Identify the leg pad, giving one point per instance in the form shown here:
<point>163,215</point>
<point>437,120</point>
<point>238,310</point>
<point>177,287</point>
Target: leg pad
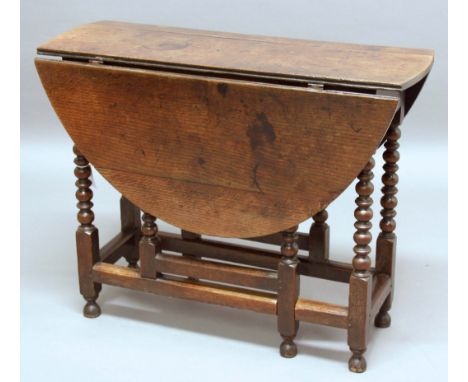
<point>288,348</point>
<point>383,320</point>
<point>357,363</point>
<point>91,309</point>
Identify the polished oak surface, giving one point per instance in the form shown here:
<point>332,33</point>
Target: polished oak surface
<point>216,156</point>
<point>272,56</point>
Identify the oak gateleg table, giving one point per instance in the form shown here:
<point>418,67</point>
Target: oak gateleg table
<point>235,136</point>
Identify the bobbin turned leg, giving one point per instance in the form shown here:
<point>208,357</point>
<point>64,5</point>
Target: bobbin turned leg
<point>386,241</point>
<point>149,247</point>
<point>87,237</point>
<point>288,292</point>
<point>130,221</point>
<point>319,238</point>
<point>360,284</point>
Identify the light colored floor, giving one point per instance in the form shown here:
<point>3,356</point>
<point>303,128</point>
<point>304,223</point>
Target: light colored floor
<point>144,337</point>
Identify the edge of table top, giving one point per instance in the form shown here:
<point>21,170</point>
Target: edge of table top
<point>366,65</point>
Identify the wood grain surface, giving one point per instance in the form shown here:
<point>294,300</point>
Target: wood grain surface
<point>216,156</point>
<point>333,62</point>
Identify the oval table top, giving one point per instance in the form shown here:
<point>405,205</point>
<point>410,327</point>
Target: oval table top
<point>216,156</point>
<point>226,134</point>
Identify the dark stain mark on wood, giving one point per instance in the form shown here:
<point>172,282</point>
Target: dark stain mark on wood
<point>222,89</point>
<point>141,152</point>
<point>261,131</point>
<point>354,128</point>
<point>254,177</point>
<point>201,161</point>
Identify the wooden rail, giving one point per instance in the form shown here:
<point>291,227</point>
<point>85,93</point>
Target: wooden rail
<point>275,239</point>
<point>263,258</point>
<point>222,251</point>
<point>264,302</point>
<point>116,275</point>
<point>215,271</point>
<point>119,246</point>
<point>322,313</point>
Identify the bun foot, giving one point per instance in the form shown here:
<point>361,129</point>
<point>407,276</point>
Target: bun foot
<point>91,309</point>
<point>288,349</point>
<point>357,363</point>
<point>383,320</point>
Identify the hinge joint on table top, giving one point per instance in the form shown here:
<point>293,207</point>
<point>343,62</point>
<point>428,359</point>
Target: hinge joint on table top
<point>315,86</point>
<point>96,60</point>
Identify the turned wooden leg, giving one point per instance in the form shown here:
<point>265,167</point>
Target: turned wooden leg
<point>386,241</point>
<point>130,221</point>
<point>288,292</point>
<point>319,238</point>
<point>360,284</point>
<point>149,247</point>
<point>87,237</point>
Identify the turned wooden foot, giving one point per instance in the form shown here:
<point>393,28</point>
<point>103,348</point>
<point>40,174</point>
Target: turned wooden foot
<point>288,348</point>
<point>91,309</point>
<point>383,320</point>
<point>357,363</point>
